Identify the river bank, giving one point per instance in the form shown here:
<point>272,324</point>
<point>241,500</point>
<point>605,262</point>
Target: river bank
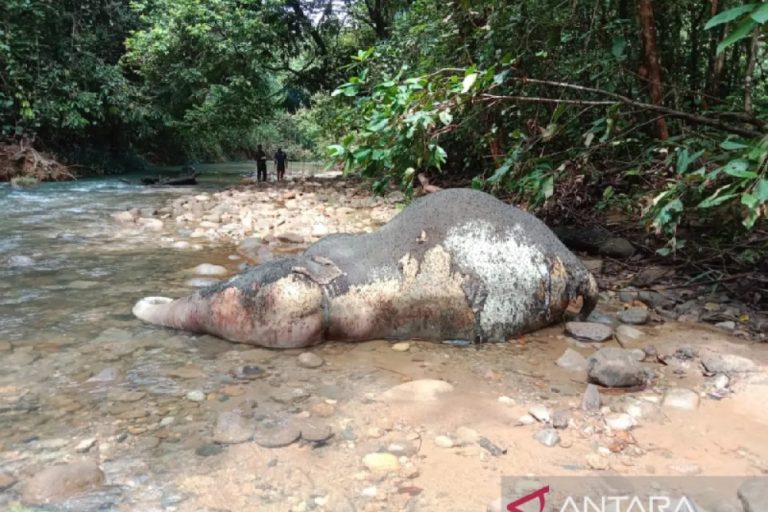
<point>168,421</point>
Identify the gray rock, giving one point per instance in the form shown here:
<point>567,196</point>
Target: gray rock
<point>547,437</point>
<point>315,432</point>
<point>290,238</point>
<point>754,495</point>
<point>617,248</point>
<point>634,316</point>
<point>277,437</point>
<point>59,483</point>
<point>728,364</point>
<point>209,450</point>
<point>590,402</point>
<point>601,318</point>
<point>196,396</point>
<point>232,428</point>
<point>310,360</point>
<point>572,360</point>
<point>541,412</point>
<point>615,367</point>
<point>681,399</point>
<point>208,269</point>
<point>619,421</point>
<point>728,325</point>
<point>560,419</point>
<point>627,334</point>
<point>588,331</point>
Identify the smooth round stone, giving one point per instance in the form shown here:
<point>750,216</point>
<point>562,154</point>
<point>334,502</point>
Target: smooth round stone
<point>589,331</point>
<point>315,432</point>
<point>444,442</point>
<point>467,435</point>
<point>681,399</point>
<point>547,437</point>
<point>572,360</point>
<point>209,449</point>
<point>277,437</point>
<point>381,462</point>
<point>232,428</point>
<point>541,413</point>
<point>619,421</point>
<point>196,396</point>
<point>208,269</point>
<point>634,316</point>
<point>401,346</point>
<point>628,334</point>
<point>58,483</point>
<point>310,360</point>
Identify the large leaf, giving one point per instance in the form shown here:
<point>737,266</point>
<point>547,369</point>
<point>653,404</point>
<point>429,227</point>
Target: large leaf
<point>730,145</point>
<point>761,14</point>
<point>729,15</point>
<point>739,169</point>
<point>468,82</point>
<point>742,31</point>
<point>761,191</point>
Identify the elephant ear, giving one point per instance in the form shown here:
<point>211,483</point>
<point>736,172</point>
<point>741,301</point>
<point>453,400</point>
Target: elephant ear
<point>319,269</point>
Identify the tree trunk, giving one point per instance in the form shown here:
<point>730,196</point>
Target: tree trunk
<point>716,62</point>
<point>751,57</point>
<point>652,62</point>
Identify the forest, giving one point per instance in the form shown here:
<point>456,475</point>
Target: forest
<point>651,111</point>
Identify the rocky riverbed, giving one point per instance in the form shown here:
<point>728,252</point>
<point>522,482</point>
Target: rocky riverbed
<point>147,419</point>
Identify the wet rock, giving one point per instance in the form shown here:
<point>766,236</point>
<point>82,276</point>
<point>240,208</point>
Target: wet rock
<point>616,248</point>
<point>728,325</point>
<point>547,437</point>
<point>289,395</point>
<point>208,269</point>
<point>572,360</point>
<point>196,396</point>
<point>278,436</point>
<point>232,428</point>
<point>444,442</point>
<point>541,412</point>
<point>601,318</point>
<point>619,421</point>
<point>6,481</point>
<point>560,419</point>
<point>728,364</point>
<point>129,396</point>
<point>401,346</point>
<point>58,483</point>
<point>310,360</point>
<point>589,331</point>
<point>615,367</point>
<point>209,450</point>
<point>381,462</point>
<point>200,282</point>
<point>424,390</point>
<point>124,217</point>
<point>753,495</point>
<point>634,316</point>
<point>590,401</point>
<point>105,375</point>
<point>681,399</point>
<point>249,372</point>
<point>150,224</point>
<point>291,238</point>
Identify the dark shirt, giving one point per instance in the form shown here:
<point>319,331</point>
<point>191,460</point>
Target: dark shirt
<point>280,159</point>
<point>261,159</point>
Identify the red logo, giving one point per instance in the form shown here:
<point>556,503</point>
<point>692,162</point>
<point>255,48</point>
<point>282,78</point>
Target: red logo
<point>512,507</point>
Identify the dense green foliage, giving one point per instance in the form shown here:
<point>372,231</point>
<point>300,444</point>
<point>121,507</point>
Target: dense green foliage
<point>655,107</point>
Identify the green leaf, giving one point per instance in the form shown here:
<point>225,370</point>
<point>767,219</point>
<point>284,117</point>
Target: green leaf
<point>377,126</point>
<point>618,47</point>
<point>738,34</point>
<point>500,173</point>
<point>335,150</point>
<point>468,82</point>
<point>739,168</point>
<point>548,187</point>
<point>445,117</point>
<point>477,183</point>
<point>760,14</point>
<point>761,190</point>
<point>730,145</point>
<point>715,200</point>
<point>749,200</point>
<point>729,15</point>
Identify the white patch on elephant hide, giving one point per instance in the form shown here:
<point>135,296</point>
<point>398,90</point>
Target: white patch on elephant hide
<point>512,271</point>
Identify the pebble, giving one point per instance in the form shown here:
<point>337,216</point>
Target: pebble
<point>572,360</point>
<point>526,419</point>
<point>401,346</point>
<point>597,461</point>
<point>277,437</point>
<point>315,432</point>
<point>310,360</point>
<point>589,331</point>
<point>208,269</point>
<point>444,442</point>
<point>424,390</point>
<point>232,428</point>
<point>561,418</point>
<point>590,401</point>
<point>196,396</point>
<point>105,375</point>
<point>85,445</point>
<point>322,410</point>
<point>728,364</point>
<point>209,449</point>
<point>685,469</point>
<point>721,381</point>
<point>467,435</point>
<point>541,412</point>
<point>381,462</point>
<point>728,325</point>
<point>681,399</point>
<point>55,484</point>
<point>168,420</point>
<point>547,437</point>
<point>506,400</point>
<point>634,316</point>
<point>619,421</point>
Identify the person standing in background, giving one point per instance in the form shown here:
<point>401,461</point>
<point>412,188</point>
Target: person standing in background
<point>261,163</point>
<point>280,162</point>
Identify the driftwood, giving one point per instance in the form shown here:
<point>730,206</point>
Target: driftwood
<point>190,179</point>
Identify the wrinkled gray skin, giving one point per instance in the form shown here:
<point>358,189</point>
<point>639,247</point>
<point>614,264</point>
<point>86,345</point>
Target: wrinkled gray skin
<point>454,265</point>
